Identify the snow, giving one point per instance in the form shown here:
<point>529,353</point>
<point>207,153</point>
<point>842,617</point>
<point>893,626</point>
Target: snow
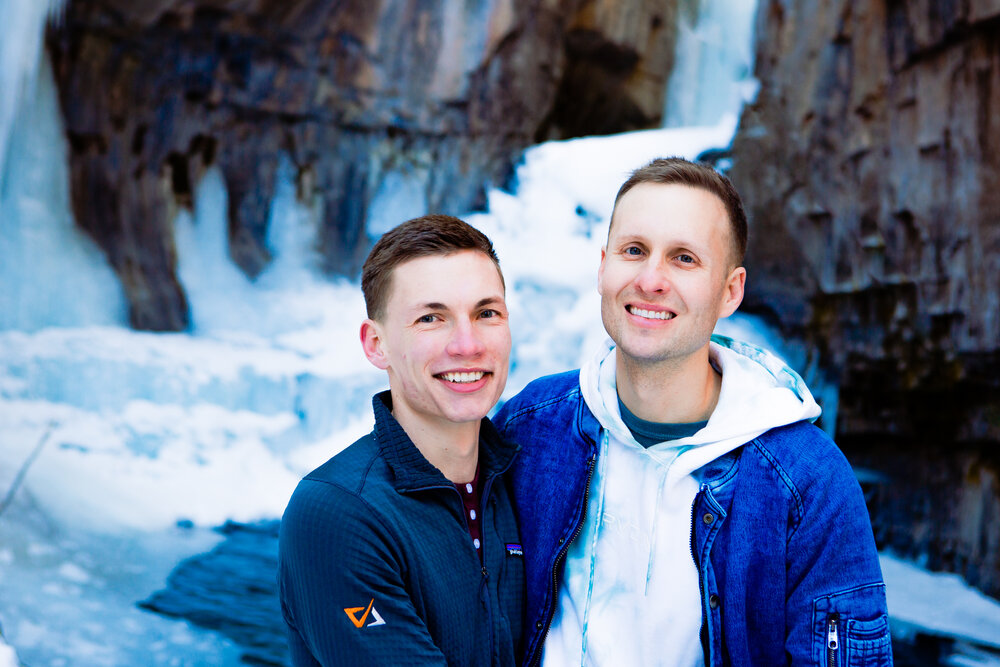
<point>8,657</point>
<point>69,594</point>
<point>939,604</point>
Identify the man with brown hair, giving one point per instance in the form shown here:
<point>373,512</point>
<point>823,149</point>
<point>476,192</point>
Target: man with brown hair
<point>403,549</point>
<point>677,506</point>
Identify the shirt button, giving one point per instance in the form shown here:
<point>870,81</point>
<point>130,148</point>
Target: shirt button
<point>468,488</point>
<point>476,542</point>
<point>708,518</point>
<point>538,625</point>
<point>472,514</point>
<point>713,601</point>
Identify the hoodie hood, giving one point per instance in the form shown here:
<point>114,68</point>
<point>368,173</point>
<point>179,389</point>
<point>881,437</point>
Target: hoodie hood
<point>759,392</point>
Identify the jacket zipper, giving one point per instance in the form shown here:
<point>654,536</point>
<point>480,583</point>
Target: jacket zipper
<point>694,554</point>
<point>697,564</point>
<point>832,639</point>
<point>537,659</point>
<point>484,499</point>
<point>482,561</point>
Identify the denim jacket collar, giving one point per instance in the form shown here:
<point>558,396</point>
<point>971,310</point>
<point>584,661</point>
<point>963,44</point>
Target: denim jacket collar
<point>587,424</point>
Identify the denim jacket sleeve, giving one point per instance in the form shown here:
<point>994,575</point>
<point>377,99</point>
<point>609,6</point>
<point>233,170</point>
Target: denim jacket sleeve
<point>836,606</point>
<point>338,577</point>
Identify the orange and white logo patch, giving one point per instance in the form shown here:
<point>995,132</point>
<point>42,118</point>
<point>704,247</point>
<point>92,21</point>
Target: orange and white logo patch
<point>352,613</point>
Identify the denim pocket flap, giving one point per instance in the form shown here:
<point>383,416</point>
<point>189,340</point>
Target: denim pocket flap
<point>868,630</point>
<point>868,643</point>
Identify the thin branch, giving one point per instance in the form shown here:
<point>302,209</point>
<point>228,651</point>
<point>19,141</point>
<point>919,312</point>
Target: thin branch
<point>19,477</point>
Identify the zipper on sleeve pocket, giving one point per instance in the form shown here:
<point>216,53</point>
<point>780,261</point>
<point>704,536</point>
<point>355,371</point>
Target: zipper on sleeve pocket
<point>832,639</point>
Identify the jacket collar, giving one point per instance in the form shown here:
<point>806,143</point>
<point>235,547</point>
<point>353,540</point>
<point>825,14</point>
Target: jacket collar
<point>587,423</point>
<point>722,470</point>
<point>412,470</point>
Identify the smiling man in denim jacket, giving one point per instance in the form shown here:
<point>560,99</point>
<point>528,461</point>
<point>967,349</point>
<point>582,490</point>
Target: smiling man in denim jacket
<point>676,504</point>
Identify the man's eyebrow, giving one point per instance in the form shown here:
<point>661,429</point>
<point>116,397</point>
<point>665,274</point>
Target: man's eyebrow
<point>489,301</point>
<point>433,305</point>
<point>630,238</point>
<point>436,305</point>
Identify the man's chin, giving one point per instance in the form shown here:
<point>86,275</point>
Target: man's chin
<point>466,418</point>
<point>644,355</point>
<point>471,411</point>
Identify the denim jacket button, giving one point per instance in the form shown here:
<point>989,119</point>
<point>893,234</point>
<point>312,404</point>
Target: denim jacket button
<point>538,625</point>
<point>713,601</point>
<point>708,517</point>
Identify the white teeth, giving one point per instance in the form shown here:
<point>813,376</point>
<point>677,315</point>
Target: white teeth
<point>463,377</point>
<point>651,314</point>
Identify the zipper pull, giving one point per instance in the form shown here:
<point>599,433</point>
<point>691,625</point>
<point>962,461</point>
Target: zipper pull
<point>832,639</point>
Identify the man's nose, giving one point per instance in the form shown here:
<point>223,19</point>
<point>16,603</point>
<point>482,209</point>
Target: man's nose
<point>465,341</point>
<point>653,278</point>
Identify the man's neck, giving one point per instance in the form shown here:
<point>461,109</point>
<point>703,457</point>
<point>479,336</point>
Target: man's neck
<point>671,392</point>
<point>452,448</point>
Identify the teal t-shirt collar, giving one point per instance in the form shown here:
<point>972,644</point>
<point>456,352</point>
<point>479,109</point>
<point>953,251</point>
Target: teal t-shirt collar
<point>648,433</point>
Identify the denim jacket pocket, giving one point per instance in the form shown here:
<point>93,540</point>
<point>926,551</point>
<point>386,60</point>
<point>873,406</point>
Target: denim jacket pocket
<point>851,629</point>
<point>867,643</point>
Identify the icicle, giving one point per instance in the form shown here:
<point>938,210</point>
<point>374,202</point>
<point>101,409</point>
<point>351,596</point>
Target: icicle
<point>23,24</point>
<point>713,66</point>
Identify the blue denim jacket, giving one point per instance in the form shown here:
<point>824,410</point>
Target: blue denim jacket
<point>780,533</point>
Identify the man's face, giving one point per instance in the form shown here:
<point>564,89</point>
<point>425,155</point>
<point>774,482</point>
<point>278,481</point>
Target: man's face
<point>444,339</point>
<point>666,274</point>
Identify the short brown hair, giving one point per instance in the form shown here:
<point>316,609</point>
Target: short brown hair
<point>676,170</point>
<point>433,234</point>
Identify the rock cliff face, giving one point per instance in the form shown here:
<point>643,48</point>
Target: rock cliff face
<point>871,166</point>
<point>438,94</point>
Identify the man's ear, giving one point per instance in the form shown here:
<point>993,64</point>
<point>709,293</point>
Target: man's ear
<point>373,345</point>
<point>733,296</point>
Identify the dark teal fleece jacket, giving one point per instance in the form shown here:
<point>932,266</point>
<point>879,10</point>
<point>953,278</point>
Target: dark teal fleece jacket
<point>376,565</point>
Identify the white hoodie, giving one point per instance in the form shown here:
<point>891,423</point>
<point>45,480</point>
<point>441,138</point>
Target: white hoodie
<point>629,594</point>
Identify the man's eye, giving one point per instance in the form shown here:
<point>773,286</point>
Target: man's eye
<point>489,312</point>
<point>426,319</point>
<point>686,259</point>
<point>633,251</point>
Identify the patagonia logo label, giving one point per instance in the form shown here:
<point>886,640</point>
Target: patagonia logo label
<point>515,550</point>
<point>352,613</point>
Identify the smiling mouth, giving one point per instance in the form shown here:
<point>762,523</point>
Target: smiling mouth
<point>462,378</point>
<point>650,314</point>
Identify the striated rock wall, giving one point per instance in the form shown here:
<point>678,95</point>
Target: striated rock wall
<point>871,166</point>
<point>439,94</point>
